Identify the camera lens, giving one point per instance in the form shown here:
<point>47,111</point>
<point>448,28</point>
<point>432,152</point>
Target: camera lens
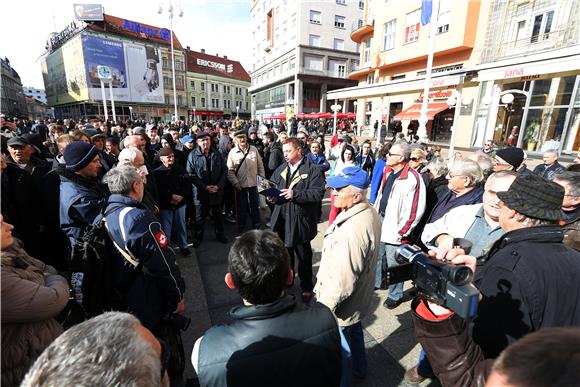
<point>460,275</point>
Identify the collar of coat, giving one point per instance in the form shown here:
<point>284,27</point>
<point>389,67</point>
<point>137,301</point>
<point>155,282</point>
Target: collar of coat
<point>346,215</point>
<point>388,169</point>
<point>298,175</point>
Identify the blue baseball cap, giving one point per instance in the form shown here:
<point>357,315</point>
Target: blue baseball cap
<point>185,139</point>
<point>354,176</point>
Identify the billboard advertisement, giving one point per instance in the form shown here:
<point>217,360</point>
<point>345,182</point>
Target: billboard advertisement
<point>135,69</point>
<point>63,73</point>
<point>145,73</point>
<point>89,12</point>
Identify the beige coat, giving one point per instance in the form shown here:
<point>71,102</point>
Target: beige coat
<point>346,278</point>
<point>32,295</point>
<point>252,166</point>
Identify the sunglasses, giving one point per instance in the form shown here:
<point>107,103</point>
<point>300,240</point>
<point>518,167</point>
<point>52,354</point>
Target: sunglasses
<point>393,154</point>
<point>415,159</point>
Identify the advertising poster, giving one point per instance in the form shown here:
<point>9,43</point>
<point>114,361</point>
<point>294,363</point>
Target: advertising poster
<point>65,82</point>
<point>110,53</point>
<point>145,73</point>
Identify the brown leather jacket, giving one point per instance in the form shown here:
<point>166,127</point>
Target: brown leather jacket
<point>454,357</point>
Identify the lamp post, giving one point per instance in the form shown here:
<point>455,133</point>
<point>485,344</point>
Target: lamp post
<point>335,109</point>
<point>355,103</point>
<point>194,115</point>
<point>170,10</point>
<point>131,113</point>
<point>237,111</point>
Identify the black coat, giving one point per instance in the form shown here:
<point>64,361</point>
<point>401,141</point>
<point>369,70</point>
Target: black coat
<point>197,169</point>
<point>529,280</point>
<point>549,172</point>
<point>301,214</point>
<point>172,181</point>
<point>278,344</point>
<point>275,158</point>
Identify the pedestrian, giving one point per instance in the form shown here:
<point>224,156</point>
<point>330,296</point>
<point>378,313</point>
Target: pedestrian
<point>345,280</point>
<point>296,214</point>
<point>551,167</point>
<point>244,165</point>
<point>208,173</point>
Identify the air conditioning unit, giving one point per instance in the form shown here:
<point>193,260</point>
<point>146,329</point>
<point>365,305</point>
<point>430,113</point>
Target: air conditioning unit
<point>268,48</point>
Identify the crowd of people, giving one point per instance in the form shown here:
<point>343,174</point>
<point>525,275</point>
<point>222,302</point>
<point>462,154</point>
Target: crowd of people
<point>153,186</point>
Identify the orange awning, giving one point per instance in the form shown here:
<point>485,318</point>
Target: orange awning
<point>414,111</point>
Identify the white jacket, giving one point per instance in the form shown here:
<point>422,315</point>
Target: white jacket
<point>455,223</point>
<point>405,207</point>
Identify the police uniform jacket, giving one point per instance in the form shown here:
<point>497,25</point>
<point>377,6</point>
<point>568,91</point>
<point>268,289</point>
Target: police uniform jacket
<point>154,288</point>
<point>300,215</point>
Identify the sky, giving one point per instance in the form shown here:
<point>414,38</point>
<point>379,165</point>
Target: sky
<point>220,26</point>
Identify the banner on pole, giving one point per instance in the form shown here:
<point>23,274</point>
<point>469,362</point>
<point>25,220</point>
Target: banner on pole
<point>426,11</point>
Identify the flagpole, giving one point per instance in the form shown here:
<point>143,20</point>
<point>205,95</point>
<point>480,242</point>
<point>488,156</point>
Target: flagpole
<point>422,132</point>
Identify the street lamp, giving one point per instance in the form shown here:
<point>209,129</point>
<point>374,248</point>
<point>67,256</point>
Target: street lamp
<point>237,111</point>
<point>335,109</point>
<point>170,10</point>
<point>194,115</point>
<point>131,113</point>
<point>355,103</point>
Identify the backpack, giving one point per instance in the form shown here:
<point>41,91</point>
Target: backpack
<point>92,267</point>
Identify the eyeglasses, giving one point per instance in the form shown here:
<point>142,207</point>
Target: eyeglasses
<point>165,357</point>
<point>302,138</point>
<point>394,154</point>
<point>450,176</point>
<point>415,159</point>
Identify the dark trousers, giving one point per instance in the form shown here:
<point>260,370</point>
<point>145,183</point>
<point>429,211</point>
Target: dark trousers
<point>303,252</point>
<point>201,212</point>
<point>248,202</point>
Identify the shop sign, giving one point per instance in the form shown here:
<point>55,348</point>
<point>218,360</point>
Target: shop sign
<point>513,72</point>
<point>530,77</point>
<point>215,65</point>
<point>437,95</point>
<point>153,32</point>
<point>63,36</point>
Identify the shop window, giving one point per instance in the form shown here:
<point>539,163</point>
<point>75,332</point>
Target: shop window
<point>339,21</point>
<point>389,35</point>
<point>542,26</point>
<point>412,24</point>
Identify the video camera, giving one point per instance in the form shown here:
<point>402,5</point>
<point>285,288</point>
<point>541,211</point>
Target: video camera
<point>443,283</point>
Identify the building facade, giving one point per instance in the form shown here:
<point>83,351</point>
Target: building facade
<point>139,63</point>
<point>504,70</point>
<point>301,50</point>
<point>12,102</point>
<point>217,87</point>
<point>37,94</point>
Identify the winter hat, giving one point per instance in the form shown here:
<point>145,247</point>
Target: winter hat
<point>78,154</point>
<point>169,138</point>
<point>165,151</point>
<point>512,156</point>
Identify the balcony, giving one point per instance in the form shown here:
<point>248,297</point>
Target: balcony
<point>548,41</point>
<point>358,32</point>
<point>324,73</point>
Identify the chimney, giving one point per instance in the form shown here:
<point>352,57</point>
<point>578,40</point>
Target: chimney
<point>218,55</point>
<point>203,50</point>
<point>225,57</point>
<point>188,49</point>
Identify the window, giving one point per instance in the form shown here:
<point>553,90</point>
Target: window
<point>360,23</point>
<point>167,100</point>
<point>165,63</point>
<point>227,89</point>
<point>192,85</point>
<point>542,26</point>
<point>361,4</point>
<point>314,40</point>
<point>412,23</point>
<point>367,52</point>
<point>214,87</point>
<point>179,100</point>
<point>202,102</point>
<point>192,101</point>
<point>315,17</point>
<point>270,28</point>
<point>166,81</point>
<point>338,44</point>
<point>341,2</point>
<point>215,103</point>
<point>389,35</point>
<point>179,83</point>
<point>339,21</point>
<point>292,63</point>
<point>203,86</point>
<point>337,68</point>
<point>444,17</point>
<point>247,106</point>
<point>370,79</point>
<point>312,62</point>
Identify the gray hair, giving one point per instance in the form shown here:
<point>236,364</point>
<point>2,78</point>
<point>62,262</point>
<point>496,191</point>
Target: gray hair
<point>468,168</point>
<point>571,179</point>
<point>437,167</point>
<point>361,191</point>
<point>128,139</point>
<point>103,351</point>
<point>552,151</point>
<point>128,154</point>
<point>121,179</point>
<point>405,149</point>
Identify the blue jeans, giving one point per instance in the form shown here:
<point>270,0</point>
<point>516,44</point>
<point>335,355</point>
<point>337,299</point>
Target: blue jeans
<point>355,338</point>
<point>174,220</point>
<point>381,265</point>
<point>424,367</point>
<point>250,195</point>
<point>387,254</point>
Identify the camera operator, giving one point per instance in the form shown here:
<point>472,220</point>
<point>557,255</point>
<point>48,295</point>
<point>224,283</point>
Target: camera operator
<point>528,280</point>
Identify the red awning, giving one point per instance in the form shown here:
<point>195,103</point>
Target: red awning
<point>281,116</point>
<point>414,111</point>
